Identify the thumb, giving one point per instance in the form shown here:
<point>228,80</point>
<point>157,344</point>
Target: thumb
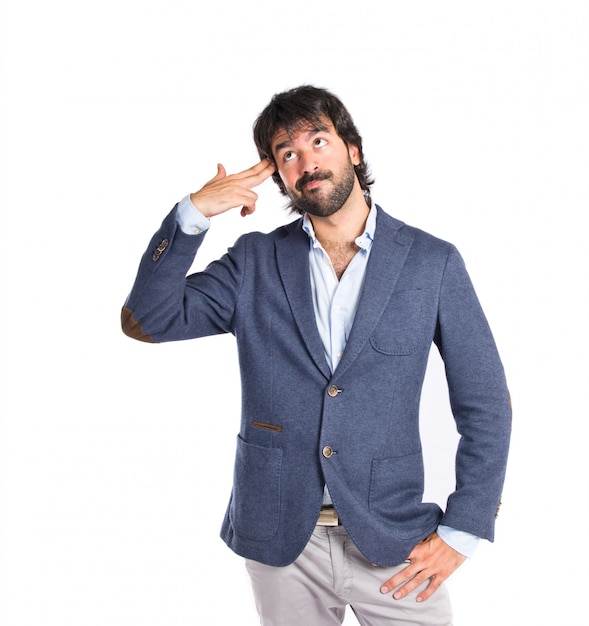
<point>221,173</point>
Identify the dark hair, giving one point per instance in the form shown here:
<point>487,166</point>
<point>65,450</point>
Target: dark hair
<point>296,108</point>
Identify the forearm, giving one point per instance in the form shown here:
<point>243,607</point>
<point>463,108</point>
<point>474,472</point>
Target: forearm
<point>156,301</point>
<point>480,403</point>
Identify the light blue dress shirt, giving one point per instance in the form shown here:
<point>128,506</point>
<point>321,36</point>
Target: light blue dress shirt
<point>335,303</point>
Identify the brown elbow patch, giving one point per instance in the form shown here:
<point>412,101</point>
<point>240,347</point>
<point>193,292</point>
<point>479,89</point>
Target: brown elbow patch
<point>132,328</point>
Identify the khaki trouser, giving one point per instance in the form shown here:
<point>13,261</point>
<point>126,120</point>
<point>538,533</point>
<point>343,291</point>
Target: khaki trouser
<point>330,575</point>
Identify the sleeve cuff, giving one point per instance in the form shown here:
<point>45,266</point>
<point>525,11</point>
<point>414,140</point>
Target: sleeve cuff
<point>190,219</point>
<point>461,541</point>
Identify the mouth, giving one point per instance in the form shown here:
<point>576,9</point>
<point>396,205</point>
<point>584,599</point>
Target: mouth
<point>312,184</point>
<point>311,181</point>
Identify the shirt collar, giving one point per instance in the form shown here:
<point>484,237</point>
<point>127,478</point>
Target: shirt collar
<point>364,241</point>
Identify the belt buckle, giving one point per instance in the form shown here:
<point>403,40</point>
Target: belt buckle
<point>328,517</point>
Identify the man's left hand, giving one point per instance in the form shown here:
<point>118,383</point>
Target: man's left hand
<point>430,559</point>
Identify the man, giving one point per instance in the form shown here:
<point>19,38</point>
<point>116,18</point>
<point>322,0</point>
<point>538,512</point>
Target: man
<point>334,315</point>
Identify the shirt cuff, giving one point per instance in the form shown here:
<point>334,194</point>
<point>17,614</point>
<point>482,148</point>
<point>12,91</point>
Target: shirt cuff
<point>190,219</point>
<point>461,541</point>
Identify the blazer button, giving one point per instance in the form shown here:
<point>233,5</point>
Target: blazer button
<point>327,451</point>
<point>332,391</point>
<point>158,251</point>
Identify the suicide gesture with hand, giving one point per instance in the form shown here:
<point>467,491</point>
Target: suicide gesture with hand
<point>224,192</point>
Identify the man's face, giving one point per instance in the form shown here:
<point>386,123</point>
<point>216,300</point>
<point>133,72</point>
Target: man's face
<point>316,167</point>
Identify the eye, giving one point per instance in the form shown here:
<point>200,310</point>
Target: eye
<point>319,142</point>
<point>288,155</point>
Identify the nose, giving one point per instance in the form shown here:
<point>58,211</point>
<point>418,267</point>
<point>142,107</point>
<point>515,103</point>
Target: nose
<point>308,162</point>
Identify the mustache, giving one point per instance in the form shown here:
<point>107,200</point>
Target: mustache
<point>309,178</point>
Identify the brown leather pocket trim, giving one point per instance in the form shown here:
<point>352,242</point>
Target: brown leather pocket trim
<point>274,427</point>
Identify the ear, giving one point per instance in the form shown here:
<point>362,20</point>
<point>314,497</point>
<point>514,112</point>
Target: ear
<point>354,154</point>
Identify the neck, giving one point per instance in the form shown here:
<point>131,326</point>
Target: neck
<point>346,224</point>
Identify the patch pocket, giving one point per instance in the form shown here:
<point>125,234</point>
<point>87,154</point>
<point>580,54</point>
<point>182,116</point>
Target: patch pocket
<point>396,492</point>
<point>400,329</point>
<point>255,505</point>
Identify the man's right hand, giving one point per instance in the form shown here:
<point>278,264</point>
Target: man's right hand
<point>224,192</point>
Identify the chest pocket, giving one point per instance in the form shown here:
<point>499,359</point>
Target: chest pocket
<point>400,330</point>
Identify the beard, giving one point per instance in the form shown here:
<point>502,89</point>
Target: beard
<point>319,202</point>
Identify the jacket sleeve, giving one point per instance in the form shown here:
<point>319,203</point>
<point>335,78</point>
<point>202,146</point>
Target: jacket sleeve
<point>479,400</point>
<point>167,305</point>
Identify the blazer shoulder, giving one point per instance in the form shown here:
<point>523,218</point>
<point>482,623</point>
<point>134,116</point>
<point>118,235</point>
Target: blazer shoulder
<point>259,244</point>
<point>411,233</point>
<point>281,232</point>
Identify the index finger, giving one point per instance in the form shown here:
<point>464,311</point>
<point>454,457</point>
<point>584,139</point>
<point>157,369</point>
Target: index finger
<point>258,173</point>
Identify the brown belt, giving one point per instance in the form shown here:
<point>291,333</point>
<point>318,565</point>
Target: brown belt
<point>328,517</point>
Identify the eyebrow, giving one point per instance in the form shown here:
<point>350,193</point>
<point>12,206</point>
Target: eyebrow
<point>318,128</point>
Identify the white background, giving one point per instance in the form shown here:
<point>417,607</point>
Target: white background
<point>116,456</point>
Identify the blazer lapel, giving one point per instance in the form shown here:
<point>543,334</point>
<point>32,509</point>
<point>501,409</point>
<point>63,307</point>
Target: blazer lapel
<point>387,257</point>
<point>292,255</point>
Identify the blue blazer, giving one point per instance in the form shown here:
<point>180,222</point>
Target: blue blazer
<point>356,429</point>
